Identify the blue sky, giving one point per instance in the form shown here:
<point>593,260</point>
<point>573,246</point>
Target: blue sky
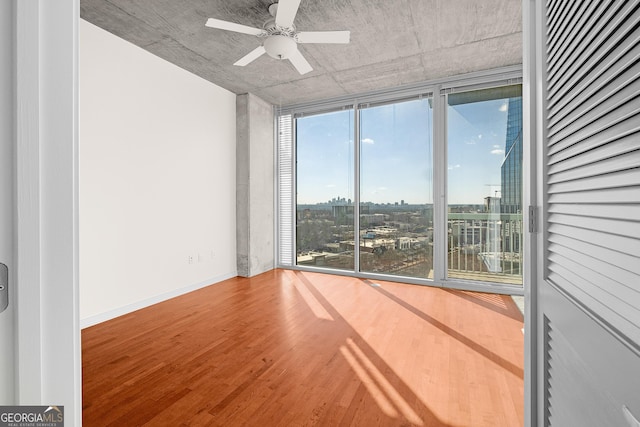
<point>476,134</point>
<point>396,153</point>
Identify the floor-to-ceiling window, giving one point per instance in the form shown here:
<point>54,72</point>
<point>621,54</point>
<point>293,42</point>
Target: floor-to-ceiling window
<point>422,185</point>
<point>325,190</point>
<point>484,215</point>
<point>396,188</point>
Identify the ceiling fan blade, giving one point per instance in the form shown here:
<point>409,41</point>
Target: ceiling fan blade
<point>251,56</point>
<point>324,36</point>
<point>232,26</point>
<point>300,62</point>
<point>287,10</point>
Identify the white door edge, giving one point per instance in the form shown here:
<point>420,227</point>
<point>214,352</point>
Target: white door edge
<point>48,368</point>
<point>7,108</point>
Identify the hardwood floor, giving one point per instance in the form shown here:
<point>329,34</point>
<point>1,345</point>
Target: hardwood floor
<point>290,348</point>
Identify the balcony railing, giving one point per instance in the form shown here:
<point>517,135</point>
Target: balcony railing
<point>485,246</point>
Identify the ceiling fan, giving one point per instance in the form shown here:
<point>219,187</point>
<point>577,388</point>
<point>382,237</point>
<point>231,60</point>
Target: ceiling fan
<point>280,36</point>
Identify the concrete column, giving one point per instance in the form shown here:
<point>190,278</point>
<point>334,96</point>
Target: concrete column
<point>255,174</point>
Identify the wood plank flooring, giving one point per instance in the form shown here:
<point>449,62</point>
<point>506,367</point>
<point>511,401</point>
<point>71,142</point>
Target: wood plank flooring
<point>290,348</point>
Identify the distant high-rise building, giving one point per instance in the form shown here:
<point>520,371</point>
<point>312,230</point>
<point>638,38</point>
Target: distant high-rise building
<point>511,171</point>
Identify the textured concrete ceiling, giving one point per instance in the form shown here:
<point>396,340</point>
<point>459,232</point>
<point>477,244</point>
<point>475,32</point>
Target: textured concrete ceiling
<point>393,42</point>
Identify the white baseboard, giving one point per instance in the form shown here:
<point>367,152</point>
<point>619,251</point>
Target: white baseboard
<point>111,314</point>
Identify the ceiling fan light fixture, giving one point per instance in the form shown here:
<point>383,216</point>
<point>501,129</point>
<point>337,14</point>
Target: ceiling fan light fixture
<point>280,47</point>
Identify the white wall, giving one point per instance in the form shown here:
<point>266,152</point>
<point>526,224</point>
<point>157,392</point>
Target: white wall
<point>157,178</point>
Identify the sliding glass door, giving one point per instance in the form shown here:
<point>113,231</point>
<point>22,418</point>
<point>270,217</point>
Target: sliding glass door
<point>396,189</point>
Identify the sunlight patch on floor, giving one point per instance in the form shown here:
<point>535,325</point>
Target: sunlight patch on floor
<point>386,396</point>
<point>314,305</point>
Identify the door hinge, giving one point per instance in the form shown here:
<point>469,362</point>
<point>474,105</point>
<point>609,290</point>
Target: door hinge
<point>4,287</point>
<point>533,220</point>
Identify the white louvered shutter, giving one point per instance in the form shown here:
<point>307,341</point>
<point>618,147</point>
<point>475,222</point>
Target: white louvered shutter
<point>588,292</point>
<point>593,134</point>
<point>285,190</point>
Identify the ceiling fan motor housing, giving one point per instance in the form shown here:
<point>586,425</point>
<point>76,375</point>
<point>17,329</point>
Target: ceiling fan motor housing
<point>280,42</point>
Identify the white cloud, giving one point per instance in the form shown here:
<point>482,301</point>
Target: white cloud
<point>503,107</point>
<point>497,151</point>
<point>480,136</point>
<point>368,141</point>
<point>378,190</point>
<point>330,186</point>
<point>452,167</point>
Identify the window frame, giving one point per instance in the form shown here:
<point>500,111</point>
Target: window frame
<point>438,90</point>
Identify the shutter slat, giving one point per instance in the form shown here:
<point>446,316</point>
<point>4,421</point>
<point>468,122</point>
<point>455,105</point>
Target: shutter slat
<point>624,212</point>
<point>593,275</point>
<point>622,228</point>
<point>584,154</point>
<point>614,164</point>
<point>599,238</point>
<point>629,265</point>
<point>610,135</point>
<point>609,196</point>
<point>601,273</point>
<point>625,261</point>
<point>627,112</point>
<point>610,180</point>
